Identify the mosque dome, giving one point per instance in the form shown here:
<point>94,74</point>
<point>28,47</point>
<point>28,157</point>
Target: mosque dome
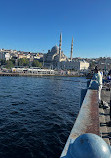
<point>55,49</point>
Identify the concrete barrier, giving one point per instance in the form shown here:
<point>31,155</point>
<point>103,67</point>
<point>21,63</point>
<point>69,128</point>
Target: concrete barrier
<point>87,120</point>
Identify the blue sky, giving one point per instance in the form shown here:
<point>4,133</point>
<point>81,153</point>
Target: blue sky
<point>35,25</point>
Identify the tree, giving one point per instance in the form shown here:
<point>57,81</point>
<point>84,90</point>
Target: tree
<point>36,63</point>
<point>13,60</point>
<point>23,62</point>
<point>3,62</point>
<point>9,64</point>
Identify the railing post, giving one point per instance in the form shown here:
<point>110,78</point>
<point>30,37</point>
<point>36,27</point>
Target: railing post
<point>89,146</point>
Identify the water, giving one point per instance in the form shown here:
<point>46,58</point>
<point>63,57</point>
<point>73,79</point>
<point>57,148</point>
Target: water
<point>37,114</point>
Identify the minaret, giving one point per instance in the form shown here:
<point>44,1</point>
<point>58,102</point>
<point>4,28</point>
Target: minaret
<point>60,43</point>
<point>71,48</point>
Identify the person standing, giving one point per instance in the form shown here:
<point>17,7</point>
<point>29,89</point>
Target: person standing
<point>98,78</point>
<point>101,72</point>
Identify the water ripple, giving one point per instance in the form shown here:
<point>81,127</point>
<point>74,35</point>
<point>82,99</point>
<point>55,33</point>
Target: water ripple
<point>37,114</point>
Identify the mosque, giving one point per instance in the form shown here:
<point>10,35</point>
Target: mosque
<point>55,59</point>
<point>54,56</point>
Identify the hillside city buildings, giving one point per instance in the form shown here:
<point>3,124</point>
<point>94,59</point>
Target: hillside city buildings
<point>8,54</point>
<point>56,59</point>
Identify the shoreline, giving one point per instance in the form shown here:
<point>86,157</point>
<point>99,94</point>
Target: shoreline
<point>30,74</point>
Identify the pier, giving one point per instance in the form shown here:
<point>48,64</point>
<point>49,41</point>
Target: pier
<point>25,74</point>
<point>39,73</point>
<point>93,121</point>
<point>9,74</point>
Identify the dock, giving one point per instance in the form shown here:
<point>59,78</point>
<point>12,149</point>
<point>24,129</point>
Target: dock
<point>8,74</point>
<point>26,74</point>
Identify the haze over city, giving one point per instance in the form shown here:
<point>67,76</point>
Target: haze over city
<point>35,26</point>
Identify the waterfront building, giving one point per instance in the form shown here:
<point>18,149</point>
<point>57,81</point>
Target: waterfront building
<point>33,71</point>
<point>74,65</point>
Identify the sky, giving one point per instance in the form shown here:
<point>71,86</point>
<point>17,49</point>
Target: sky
<point>35,26</point>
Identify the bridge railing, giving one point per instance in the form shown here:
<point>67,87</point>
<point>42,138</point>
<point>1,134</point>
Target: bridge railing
<point>86,122</point>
